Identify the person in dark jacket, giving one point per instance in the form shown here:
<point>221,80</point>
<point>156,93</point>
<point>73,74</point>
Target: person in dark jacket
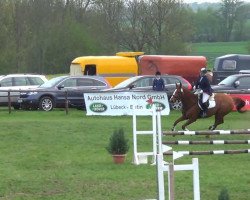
<point>203,84</point>
<point>158,82</point>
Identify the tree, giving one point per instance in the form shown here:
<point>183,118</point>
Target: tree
<point>206,25</point>
<point>242,15</point>
<point>228,17</point>
<point>171,26</point>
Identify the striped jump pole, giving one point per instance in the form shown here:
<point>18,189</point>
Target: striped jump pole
<point>208,142</point>
<point>215,132</point>
<point>214,152</point>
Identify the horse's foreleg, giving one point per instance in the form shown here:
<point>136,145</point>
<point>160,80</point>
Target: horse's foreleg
<point>182,118</point>
<point>189,121</point>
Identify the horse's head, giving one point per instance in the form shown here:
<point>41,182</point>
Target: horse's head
<point>177,93</point>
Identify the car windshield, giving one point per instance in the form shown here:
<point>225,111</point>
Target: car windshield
<point>52,82</point>
<point>126,83</point>
<point>228,81</point>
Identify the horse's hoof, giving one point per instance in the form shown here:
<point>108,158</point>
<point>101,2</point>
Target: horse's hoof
<point>211,128</point>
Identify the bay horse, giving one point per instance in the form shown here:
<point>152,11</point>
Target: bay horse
<point>191,109</point>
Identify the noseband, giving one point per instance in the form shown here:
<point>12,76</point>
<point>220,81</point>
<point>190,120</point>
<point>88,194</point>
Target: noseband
<point>177,94</point>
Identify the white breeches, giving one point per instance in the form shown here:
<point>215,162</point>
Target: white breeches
<point>205,97</point>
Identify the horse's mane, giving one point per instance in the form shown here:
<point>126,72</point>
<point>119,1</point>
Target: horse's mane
<point>189,98</point>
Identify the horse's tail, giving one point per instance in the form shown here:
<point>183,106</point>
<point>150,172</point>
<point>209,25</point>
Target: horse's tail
<point>239,104</point>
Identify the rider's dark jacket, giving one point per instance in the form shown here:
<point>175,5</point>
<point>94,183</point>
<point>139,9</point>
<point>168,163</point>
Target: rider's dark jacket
<point>203,83</point>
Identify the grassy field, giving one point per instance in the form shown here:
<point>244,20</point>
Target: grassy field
<point>54,156</point>
<point>216,49</point>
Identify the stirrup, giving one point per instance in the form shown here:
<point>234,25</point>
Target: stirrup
<point>203,114</point>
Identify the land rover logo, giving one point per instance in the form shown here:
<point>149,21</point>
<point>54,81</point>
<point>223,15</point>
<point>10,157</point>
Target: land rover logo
<point>159,106</point>
<point>98,107</point>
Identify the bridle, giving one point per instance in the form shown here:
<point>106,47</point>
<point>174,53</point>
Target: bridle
<point>176,95</point>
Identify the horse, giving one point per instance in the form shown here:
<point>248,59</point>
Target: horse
<point>191,109</point>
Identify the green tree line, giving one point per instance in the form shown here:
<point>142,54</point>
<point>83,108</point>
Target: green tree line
<point>44,36</point>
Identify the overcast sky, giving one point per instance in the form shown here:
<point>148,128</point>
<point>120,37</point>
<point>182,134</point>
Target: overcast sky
<point>202,1</point>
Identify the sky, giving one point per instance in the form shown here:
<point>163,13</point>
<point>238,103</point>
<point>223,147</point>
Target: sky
<point>202,1</point>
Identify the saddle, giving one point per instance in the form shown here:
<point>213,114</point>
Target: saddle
<point>210,103</point>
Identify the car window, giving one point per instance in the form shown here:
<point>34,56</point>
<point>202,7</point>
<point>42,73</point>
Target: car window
<point>35,80</point>
<point>126,82</point>
<point>20,81</point>
<point>172,80</point>
<point>229,65</point>
<point>245,81</point>
<point>98,83</point>
<point>52,82</point>
<point>71,82</point>
<point>228,81</point>
<point>89,82</point>
<point>6,82</point>
<point>144,82</point>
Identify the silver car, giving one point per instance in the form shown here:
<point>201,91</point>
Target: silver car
<point>12,83</point>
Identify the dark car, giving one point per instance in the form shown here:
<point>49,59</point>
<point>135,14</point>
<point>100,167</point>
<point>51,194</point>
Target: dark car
<point>233,83</point>
<point>52,94</point>
<point>145,83</point>
<point>228,65</point>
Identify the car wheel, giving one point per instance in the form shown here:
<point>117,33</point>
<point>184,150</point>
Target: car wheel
<point>177,105</point>
<point>16,107</point>
<point>46,104</point>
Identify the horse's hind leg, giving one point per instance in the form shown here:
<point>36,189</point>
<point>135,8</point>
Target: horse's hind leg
<point>182,118</point>
<point>219,119</point>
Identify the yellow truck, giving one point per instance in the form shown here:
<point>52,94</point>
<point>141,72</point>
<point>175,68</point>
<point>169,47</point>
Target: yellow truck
<point>114,68</point>
<point>128,64</point>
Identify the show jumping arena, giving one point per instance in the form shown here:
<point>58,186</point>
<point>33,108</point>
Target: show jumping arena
<point>160,148</point>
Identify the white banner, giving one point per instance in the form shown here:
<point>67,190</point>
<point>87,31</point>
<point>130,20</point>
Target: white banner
<point>125,103</point>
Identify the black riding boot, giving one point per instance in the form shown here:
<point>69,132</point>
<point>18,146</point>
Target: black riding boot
<point>204,109</point>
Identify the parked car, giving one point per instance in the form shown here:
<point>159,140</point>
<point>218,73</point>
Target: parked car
<point>52,94</point>
<point>145,83</point>
<point>233,83</point>
<point>227,65</point>
<point>14,82</point>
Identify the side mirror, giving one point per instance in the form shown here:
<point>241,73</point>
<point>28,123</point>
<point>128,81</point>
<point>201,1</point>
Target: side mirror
<point>131,86</point>
<point>60,87</point>
<point>236,84</point>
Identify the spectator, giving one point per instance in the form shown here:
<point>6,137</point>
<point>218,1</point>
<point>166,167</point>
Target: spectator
<point>158,83</point>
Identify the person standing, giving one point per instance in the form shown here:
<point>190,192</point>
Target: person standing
<point>158,82</point>
<point>203,84</point>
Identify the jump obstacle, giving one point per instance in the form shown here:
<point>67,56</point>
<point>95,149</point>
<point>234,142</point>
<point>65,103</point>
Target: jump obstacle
<point>214,132</point>
<point>159,152</point>
<point>214,142</point>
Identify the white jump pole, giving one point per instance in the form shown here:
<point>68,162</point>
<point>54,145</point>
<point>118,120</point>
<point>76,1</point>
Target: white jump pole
<point>135,139</point>
<point>196,179</point>
<point>160,177</point>
<point>161,167</point>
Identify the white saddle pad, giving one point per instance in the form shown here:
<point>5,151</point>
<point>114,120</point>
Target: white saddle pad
<point>211,102</point>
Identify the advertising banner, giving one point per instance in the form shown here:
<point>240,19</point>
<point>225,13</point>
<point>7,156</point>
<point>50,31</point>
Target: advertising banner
<point>125,103</point>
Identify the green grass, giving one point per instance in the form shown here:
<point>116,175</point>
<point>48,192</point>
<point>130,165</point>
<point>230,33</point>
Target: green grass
<point>54,156</point>
<point>216,49</point>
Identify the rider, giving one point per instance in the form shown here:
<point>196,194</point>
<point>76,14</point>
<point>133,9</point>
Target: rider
<point>206,91</point>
